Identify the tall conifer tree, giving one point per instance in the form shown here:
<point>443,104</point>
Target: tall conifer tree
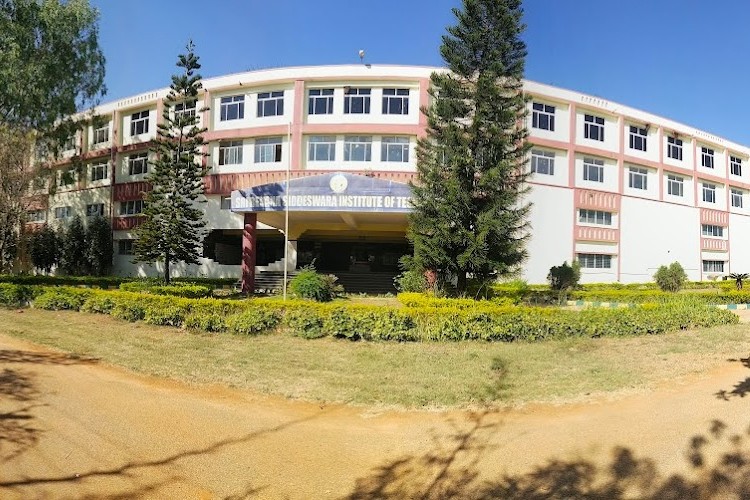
<point>173,226</point>
<point>469,215</point>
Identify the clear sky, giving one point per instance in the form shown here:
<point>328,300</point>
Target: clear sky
<point>682,59</point>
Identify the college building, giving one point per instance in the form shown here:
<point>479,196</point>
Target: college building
<point>620,190</point>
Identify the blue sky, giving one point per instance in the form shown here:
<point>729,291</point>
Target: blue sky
<point>681,59</point>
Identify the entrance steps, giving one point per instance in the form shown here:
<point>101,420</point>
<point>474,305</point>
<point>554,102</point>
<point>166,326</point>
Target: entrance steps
<point>371,283</point>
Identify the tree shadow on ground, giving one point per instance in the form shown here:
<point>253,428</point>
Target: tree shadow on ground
<point>741,388</point>
<point>717,465</point>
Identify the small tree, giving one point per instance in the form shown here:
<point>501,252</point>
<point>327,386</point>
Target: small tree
<point>172,230</point>
<point>99,246</point>
<point>73,255</point>
<point>738,279</point>
<point>670,278</point>
<point>45,249</point>
<point>564,278</point>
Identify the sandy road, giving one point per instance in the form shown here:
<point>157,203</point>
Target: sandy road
<point>72,428</point>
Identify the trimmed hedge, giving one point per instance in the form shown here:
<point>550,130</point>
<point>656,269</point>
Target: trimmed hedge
<point>645,296</point>
<point>12,295</point>
<point>104,282</point>
<point>187,290</point>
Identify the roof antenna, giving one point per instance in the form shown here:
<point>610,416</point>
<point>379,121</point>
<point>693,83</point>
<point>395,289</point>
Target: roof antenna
<point>362,57</point>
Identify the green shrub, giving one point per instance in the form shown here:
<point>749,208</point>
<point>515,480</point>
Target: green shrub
<point>670,278</point>
<point>253,321</point>
<point>311,285</point>
<point>206,322</point>
<point>164,314</point>
<point>305,322</point>
<point>57,299</point>
<point>99,304</point>
<point>155,287</point>
<point>12,295</point>
<point>410,281</point>
<point>564,278</point>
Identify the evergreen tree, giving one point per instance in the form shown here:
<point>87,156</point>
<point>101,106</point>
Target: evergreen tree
<point>99,246</point>
<point>172,230</point>
<point>73,243</point>
<point>469,216</point>
<point>45,249</point>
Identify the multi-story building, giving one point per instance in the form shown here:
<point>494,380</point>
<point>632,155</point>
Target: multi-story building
<point>618,189</point>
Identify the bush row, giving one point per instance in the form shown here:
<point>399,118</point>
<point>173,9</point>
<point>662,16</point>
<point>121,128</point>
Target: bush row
<point>187,290</point>
<point>718,296</point>
<point>360,322</point>
<point>101,281</point>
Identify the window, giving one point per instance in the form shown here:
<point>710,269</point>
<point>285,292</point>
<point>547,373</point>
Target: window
<point>320,102</point>
<point>95,209</point>
<point>674,148</point>
<point>593,170</point>
<point>138,164</point>
<point>139,123</point>
<point>707,157</point>
<point>543,116</point>
<point>713,266</point>
<point>230,153</point>
<point>638,136</point>
<point>125,247</point>
<point>395,101</point>
<point>232,108</point>
<point>394,149</point>
<point>99,172</point>
<point>69,144</point>
<point>67,178</point>
<point>357,148</point>
<point>593,127</point>
<point>542,162</point>
<point>271,103</point>
<point>132,207</point>
<point>735,165</point>
<point>675,185</point>
<point>268,150</point>
<point>711,230</point>
<point>356,101</point>
<point>595,217</point>
<point>736,198</point>
<point>709,193</point>
<point>594,261</point>
<point>36,216</point>
<point>101,134</point>
<point>638,178</point>
<point>321,148</point>
<point>184,110</point>
<point>226,202</point>
<point>62,212</point>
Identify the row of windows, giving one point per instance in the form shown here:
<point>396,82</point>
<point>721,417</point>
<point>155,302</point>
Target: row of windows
<point>92,210</point>
<point>98,172</point>
<point>603,261</point>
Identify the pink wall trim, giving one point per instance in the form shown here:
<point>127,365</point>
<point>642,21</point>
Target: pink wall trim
<point>715,245</point>
<point>125,223</point>
<point>602,234</point>
<point>660,171</point>
<point>424,102</point>
<point>298,118</point>
<point>571,169</point>
<point>130,191</point>
<point>159,112</point>
<point>206,123</point>
<point>716,217</point>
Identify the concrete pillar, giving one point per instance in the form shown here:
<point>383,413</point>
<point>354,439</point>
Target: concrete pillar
<point>249,251</point>
<point>291,264</point>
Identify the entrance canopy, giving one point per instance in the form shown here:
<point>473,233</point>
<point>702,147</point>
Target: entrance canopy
<point>334,192</point>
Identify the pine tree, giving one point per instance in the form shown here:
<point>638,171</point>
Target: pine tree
<point>469,216</point>
<point>99,246</point>
<point>45,249</point>
<point>172,230</point>
<point>73,242</point>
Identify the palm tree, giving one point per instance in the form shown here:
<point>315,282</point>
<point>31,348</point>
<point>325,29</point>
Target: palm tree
<point>738,277</point>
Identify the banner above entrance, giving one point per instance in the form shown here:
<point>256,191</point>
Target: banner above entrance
<point>334,192</point>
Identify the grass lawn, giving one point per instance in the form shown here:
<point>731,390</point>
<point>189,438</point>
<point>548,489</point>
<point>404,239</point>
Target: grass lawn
<point>407,375</point>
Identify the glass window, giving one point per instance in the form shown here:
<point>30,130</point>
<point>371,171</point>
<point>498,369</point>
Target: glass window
<point>593,170</point>
<point>638,137</point>
<point>736,198</point>
<point>713,266</point>
<point>138,164</point>
<point>594,261</point>
<point>230,153</point>
<point>320,102</point>
<point>357,101</point>
<point>139,123</point>
<point>395,101</point>
<point>132,207</point>
<point>321,148</point>
<point>36,216</point>
<point>67,178</point>
<point>394,149</point>
<point>226,202</point>
<point>593,127</point>
<point>707,157</point>
<point>268,150</point>
<point>712,230</point>
<point>543,116</point>
<point>184,110</point>
<point>99,172</point>
<point>271,103</point>
<point>232,108</point>
<point>357,148</point>
<point>542,162</point>
<point>101,134</point>
<point>675,185</point>
<point>95,209</point>
<point>125,247</point>
<point>674,148</point>
<point>595,217</point>
<point>638,178</point>
<point>735,165</point>
<point>62,212</point>
<point>709,193</point>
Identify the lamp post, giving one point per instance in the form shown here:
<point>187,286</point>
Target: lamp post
<point>286,206</point>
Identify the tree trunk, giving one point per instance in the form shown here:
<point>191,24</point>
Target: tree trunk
<point>166,269</point>
<point>461,283</point>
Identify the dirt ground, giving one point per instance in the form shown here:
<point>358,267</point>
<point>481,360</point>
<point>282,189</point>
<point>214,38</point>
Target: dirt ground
<point>72,428</point>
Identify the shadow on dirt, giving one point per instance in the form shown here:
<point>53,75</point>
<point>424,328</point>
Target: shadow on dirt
<point>741,388</point>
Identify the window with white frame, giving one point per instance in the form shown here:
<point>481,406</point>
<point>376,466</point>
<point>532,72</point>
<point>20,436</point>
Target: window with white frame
<point>321,148</point>
<point>357,148</point>
<point>394,149</point>
<point>139,123</point>
<point>599,217</point>
<point>320,102</point>
<point>735,165</point>
<point>542,162</point>
<point>395,101</point>
<point>594,261</point>
<point>226,203</point>
<point>69,144</point>
<point>543,116</point>
<point>94,209</point>
<point>736,198</point>
<point>271,103</point>
<point>593,127</point>
<point>67,178</point>
<point>675,185</point>
<point>712,230</point>
<point>230,153</point>
<point>184,110</point>
<point>36,216</point>
<point>357,101</point>
<point>709,192</point>
<point>232,108</point>
<point>593,170</point>
<point>268,150</point>
<point>125,247</point>
<point>638,137</point>
<point>138,164</point>
<point>638,178</point>
<point>101,134</point>
<point>707,157</point>
<point>62,212</point>
<point>132,207</point>
<point>99,171</point>
<point>674,148</point>
<point>713,266</point>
